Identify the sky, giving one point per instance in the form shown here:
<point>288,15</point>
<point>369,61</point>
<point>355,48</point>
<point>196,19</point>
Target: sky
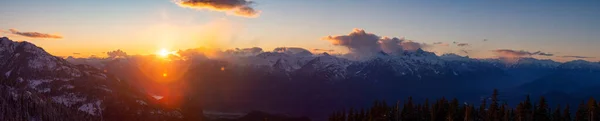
<point>561,30</point>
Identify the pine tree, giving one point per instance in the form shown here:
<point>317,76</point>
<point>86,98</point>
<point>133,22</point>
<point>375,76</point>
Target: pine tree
<point>494,107</point>
<point>426,116</point>
<point>468,113</point>
<point>520,112</point>
<point>592,109</point>
<point>395,114</point>
<point>567,114</point>
<point>557,116</point>
<point>408,110</point>
<point>452,114</point>
<point>541,113</point>
<point>527,109</point>
<point>581,114</point>
<point>502,113</point>
<point>482,111</point>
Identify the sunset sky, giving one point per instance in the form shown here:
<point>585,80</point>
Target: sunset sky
<point>90,27</point>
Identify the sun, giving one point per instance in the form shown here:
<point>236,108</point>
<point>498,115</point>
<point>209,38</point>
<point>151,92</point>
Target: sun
<point>163,53</point>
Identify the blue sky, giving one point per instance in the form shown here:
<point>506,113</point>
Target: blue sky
<point>90,27</point>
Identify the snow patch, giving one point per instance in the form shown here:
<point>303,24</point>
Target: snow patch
<point>35,82</point>
<point>141,102</point>
<point>91,108</point>
<point>7,74</point>
<point>68,99</point>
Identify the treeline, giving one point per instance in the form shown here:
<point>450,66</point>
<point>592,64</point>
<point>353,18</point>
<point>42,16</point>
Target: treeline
<point>16,105</point>
<point>450,110</point>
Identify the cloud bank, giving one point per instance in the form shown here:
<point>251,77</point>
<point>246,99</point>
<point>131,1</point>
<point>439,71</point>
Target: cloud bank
<point>34,34</point>
<point>361,43</point>
<point>235,7</point>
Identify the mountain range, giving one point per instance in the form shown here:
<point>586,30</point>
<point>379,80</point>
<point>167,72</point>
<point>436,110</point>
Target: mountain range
<point>295,83</point>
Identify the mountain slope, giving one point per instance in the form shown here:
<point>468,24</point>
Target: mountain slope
<point>26,67</point>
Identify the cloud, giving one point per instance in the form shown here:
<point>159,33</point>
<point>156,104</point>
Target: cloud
<point>363,44</point>
<point>245,51</point>
<point>466,51</point>
<point>34,34</point>
<point>412,46</point>
<point>462,44</point>
<point>235,7</point>
<point>76,53</point>
<point>441,44</point>
<point>358,42</point>
<point>323,50</point>
<point>116,53</point>
<point>293,51</point>
<point>391,45</point>
<point>574,56</point>
<point>518,53</point>
<point>542,53</point>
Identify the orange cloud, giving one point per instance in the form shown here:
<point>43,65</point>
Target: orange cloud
<point>34,34</point>
<point>235,7</point>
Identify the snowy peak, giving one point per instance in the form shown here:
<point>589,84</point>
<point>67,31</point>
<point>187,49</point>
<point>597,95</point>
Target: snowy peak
<point>580,64</point>
<point>454,57</point>
<point>523,63</point>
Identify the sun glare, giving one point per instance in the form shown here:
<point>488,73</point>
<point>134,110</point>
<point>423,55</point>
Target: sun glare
<point>163,53</point>
<point>164,74</point>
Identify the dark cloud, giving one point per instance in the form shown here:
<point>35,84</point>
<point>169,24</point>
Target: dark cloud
<point>236,7</point>
<point>485,40</point>
<point>245,51</point>
<point>518,53</point>
<point>358,42</point>
<point>465,51</point>
<point>116,53</point>
<point>462,44</point>
<point>574,56</point>
<point>34,34</point>
<point>293,51</point>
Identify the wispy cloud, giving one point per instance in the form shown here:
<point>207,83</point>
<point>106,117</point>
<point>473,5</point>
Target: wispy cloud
<point>323,50</point>
<point>235,7</point>
<point>462,44</point>
<point>518,53</point>
<point>441,44</point>
<point>574,56</point>
<point>34,34</point>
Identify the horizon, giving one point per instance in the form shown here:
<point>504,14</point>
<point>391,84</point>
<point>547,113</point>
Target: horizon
<point>485,29</point>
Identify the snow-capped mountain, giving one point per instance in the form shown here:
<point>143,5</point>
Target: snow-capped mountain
<point>580,65</point>
<point>29,68</point>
